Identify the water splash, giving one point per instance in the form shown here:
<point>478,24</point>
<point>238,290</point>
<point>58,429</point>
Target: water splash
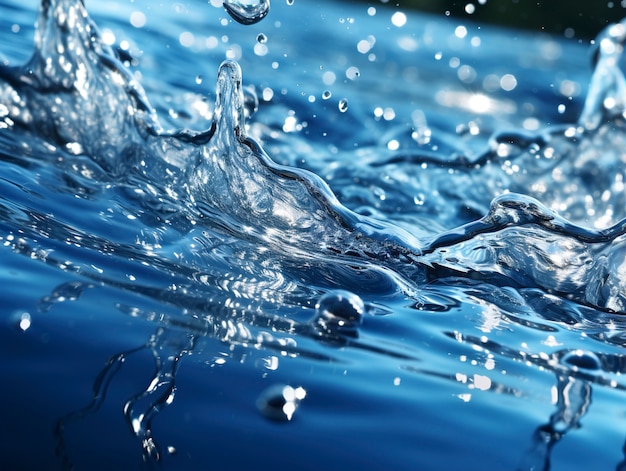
<point>247,12</point>
<point>607,92</point>
<point>53,95</point>
<point>530,245</point>
<point>231,185</point>
<point>222,173</point>
<point>256,253</point>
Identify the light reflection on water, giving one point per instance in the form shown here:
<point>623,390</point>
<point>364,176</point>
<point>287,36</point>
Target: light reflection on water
<point>443,308</point>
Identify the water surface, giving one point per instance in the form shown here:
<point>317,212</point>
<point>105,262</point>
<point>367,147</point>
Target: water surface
<point>340,236</point>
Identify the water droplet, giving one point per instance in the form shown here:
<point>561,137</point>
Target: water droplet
<point>290,2</point>
<point>339,312</point>
<point>261,38</point>
<point>326,94</point>
<point>343,105</point>
<point>398,19</point>
<point>581,360</point>
<point>198,79</point>
<point>247,12</point>
<point>279,402</point>
<point>352,73</point>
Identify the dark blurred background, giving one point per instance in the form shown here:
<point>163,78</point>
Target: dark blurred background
<point>580,19</point>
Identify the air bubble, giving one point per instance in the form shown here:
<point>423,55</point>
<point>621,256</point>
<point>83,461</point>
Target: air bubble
<point>343,105</point>
<point>261,38</point>
<point>326,94</point>
<point>279,402</point>
<point>247,12</point>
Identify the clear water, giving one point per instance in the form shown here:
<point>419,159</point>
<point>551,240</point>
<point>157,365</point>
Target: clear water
<point>395,243</point>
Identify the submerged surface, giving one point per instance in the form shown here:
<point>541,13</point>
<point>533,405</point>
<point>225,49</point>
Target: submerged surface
<point>395,243</point>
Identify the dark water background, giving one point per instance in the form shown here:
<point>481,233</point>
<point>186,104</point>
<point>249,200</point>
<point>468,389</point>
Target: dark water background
<point>165,294</point>
<point>573,19</point>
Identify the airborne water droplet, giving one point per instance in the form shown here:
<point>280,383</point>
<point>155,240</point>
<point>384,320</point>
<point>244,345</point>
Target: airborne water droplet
<point>261,38</point>
<point>343,105</point>
<point>247,12</point>
<point>326,94</point>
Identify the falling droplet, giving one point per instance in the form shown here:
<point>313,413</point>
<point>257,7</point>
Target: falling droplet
<point>198,79</point>
<point>581,360</point>
<point>247,12</point>
<point>279,402</point>
<point>289,2</point>
<point>326,94</point>
<point>261,38</point>
<point>339,312</point>
<point>343,105</point>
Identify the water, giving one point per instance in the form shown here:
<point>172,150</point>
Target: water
<point>377,239</point>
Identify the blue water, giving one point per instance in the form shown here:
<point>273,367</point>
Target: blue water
<point>337,238</point>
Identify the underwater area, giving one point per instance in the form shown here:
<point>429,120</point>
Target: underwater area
<point>316,235</point>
